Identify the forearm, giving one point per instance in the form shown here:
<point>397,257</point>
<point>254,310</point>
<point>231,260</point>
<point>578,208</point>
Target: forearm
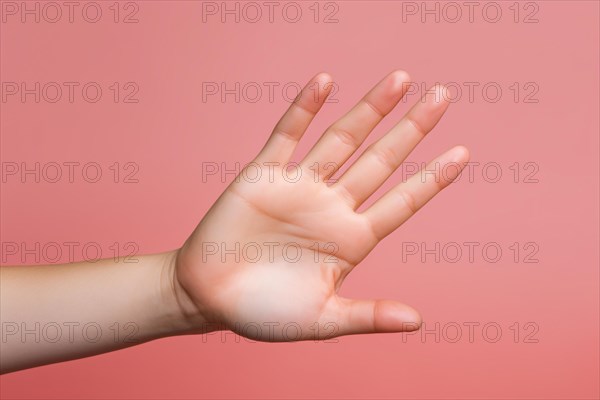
<point>63,312</point>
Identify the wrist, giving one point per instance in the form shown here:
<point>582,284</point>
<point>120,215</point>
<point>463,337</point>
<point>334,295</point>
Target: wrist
<point>179,313</point>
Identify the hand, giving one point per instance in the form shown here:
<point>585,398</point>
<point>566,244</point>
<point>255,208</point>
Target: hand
<point>269,257</point>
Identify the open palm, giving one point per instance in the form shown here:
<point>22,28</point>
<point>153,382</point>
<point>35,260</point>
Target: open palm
<point>269,257</point>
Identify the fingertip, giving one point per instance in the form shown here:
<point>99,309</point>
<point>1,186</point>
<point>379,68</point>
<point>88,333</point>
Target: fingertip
<point>399,79</point>
<point>323,78</point>
<point>460,154</point>
<point>400,75</point>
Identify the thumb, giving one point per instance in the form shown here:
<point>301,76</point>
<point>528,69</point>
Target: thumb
<point>376,316</point>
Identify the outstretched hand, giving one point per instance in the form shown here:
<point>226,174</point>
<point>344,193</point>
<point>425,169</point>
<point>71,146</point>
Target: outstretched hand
<point>269,257</point>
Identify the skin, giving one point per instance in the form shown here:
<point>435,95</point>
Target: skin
<point>269,257</point>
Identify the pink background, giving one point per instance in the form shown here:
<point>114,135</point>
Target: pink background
<point>170,132</point>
